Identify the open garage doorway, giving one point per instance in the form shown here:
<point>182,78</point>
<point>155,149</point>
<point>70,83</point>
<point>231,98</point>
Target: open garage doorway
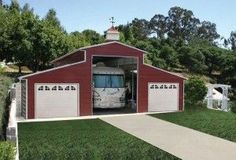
<point>114,85</point>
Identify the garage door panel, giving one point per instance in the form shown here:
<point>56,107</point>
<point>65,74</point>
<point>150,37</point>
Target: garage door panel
<point>163,96</point>
<point>56,100</point>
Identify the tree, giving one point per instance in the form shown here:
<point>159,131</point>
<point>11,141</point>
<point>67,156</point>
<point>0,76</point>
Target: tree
<point>158,25</point>
<point>192,59</point>
<point>126,30</point>
<point>168,54</point>
<point>20,46</point>
<point>232,40</point>
<point>207,30</point>
<point>228,75</point>
<point>76,40</point>
<point>92,37</point>
<point>5,30</point>
<point>213,58</point>
<point>51,18</point>
<point>195,90</point>
<point>140,29</point>
<point>182,24</point>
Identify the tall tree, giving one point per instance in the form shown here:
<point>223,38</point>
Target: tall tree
<point>20,45</point>
<point>92,37</point>
<point>76,40</point>
<point>126,30</point>
<point>158,25</point>
<point>207,30</point>
<point>232,40</point>
<point>192,59</point>
<point>169,55</point>
<point>51,18</point>
<point>182,23</point>
<point>140,29</point>
<point>213,58</point>
<point>23,37</point>
<point>5,23</point>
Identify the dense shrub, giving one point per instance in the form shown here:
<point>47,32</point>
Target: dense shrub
<point>233,107</point>
<point>7,151</point>
<point>5,82</point>
<point>195,90</point>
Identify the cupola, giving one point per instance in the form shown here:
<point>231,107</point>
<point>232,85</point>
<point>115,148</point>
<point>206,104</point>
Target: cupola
<point>112,33</point>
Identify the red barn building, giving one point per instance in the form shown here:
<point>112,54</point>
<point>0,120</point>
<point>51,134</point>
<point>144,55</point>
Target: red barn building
<point>67,89</point>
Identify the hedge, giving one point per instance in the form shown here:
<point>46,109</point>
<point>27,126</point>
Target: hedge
<point>7,150</point>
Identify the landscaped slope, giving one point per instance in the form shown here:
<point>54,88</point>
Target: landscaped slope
<point>82,139</point>
<point>217,123</point>
<point>5,82</point>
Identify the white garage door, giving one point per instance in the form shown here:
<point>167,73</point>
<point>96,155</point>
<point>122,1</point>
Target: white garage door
<point>56,100</point>
<point>163,96</point>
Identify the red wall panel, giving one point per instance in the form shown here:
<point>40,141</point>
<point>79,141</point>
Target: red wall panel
<point>73,74</point>
<point>150,74</point>
<point>75,57</point>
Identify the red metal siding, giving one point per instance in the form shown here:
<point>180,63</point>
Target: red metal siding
<point>73,74</point>
<point>75,57</point>
<point>81,73</point>
<point>150,74</point>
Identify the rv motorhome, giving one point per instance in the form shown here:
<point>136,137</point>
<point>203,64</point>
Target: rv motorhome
<point>108,87</point>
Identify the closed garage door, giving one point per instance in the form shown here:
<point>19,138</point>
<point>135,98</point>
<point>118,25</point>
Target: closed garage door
<point>163,96</point>
<point>56,100</point>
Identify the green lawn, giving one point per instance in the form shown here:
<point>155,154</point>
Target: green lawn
<point>217,123</point>
<point>82,139</point>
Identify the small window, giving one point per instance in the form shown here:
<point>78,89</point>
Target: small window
<point>54,88</point>
<point>67,88</point>
<point>161,87</point>
<point>152,87</point>
<point>170,87</point>
<point>156,87</point>
<point>166,87</point>
<point>47,88</point>
<point>40,88</point>
<point>174,86</point>
<point>60,88</point>
<point>73,88</point>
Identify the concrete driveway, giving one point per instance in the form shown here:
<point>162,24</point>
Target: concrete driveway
<point>180,141</point>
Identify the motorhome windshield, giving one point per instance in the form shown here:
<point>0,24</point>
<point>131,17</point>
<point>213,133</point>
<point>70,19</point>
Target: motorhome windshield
<point>108,81</point>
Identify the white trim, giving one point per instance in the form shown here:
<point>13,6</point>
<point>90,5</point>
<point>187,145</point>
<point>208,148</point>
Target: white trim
<point>26,99</point>
<point>91,85</point>
<point>17,142</point>
<point>137,85</point>
<point>111,42</point>
<point>164,71</point>
<point>183,97</point>
<point>118,56</point>
<point>177,96</point>
<point>88,117</point>
<point>55,68</point>
<point>65,55</point>
<point>97,45</point>
<point>78,99</point>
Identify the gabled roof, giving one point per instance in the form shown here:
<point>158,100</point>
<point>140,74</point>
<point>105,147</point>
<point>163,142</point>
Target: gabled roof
<point>97,45</point>
<point>171,73</point>
<point>49,70</point>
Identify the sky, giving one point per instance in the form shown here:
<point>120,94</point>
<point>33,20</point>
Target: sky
<point>77,15</point>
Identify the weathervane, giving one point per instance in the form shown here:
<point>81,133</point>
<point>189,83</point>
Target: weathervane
<point>112,21</point>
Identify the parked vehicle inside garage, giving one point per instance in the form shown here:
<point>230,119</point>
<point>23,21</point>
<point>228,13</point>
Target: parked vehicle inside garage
<point>108,87</point>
